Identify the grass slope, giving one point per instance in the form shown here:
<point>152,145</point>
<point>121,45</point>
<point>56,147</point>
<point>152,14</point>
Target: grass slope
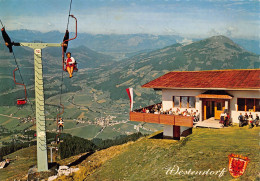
<point>21,160</point>
<point>149,159</point>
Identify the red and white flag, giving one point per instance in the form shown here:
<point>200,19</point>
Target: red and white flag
<point>131,97</point>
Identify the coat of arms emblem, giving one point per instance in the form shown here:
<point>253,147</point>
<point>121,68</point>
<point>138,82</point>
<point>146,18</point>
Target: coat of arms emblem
<point>237,165</point>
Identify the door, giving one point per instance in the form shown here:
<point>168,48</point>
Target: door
<point>209,109</point>
<point>219,108</point>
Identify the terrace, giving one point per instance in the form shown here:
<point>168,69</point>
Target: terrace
<point>167,119</point>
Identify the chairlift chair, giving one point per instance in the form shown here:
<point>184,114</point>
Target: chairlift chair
<point>24,100</point>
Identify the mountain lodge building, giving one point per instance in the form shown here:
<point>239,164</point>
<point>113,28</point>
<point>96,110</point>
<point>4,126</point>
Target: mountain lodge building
<point>207,92</point>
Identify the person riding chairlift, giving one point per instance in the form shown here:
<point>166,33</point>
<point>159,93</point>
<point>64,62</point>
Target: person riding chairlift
<point>70,63</point>
<point>60,124</point>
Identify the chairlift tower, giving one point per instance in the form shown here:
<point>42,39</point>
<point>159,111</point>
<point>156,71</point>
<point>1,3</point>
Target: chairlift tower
<point>42,159</point>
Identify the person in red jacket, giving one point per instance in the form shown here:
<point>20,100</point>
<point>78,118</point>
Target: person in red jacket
<point>70,63</point>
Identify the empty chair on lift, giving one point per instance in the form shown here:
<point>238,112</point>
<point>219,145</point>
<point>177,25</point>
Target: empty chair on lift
<point>20,101</point>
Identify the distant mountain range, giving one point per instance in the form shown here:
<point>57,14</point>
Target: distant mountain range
<point>102,73</point>
<point>218,52</point>
<point>114,43</point>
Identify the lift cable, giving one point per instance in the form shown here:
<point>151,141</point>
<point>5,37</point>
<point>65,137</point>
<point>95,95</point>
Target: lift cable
<point>1,23</point>
<point>69,15</point>
<point>62,75</point>
<point>63,53</point>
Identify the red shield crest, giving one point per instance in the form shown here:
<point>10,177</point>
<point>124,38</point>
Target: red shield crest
<point>237,165</point>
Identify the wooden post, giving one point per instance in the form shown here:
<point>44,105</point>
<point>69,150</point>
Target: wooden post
<point>176,132</point>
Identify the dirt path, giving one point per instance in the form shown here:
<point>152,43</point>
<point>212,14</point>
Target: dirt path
<point>9,116</point>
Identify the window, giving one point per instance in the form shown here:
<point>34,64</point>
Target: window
<point>219,106</point>
<point>176,101</point>
<point>257,105</point>
<point>250,104</point>
<point>241,104</point>
<point>244,104</point>
<point>192,101</point>
<point>184,101</point>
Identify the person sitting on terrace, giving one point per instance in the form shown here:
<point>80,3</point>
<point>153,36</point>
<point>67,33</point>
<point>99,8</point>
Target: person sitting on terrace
<point>185,113</point>
<point>143,110</point>
<point>178,111</point>
<point>197,115</point>
<point>250,115</point>
<point>195,119</point>
<point>242,121</point>
<point>246,116</point>
<point>250,121</point>
<point>170,111</point>
<point>147,111</point>
<point>193,114</point>
<point>222,118</point>
<point>156,112</point>
<point>256,121</point>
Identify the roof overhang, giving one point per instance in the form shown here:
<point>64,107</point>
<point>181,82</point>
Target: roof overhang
<point>204,88</point>
<point>214,96</point>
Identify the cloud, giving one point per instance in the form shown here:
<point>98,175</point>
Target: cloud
<point>170,31</point>
<point>185,41</point>
<point>231,31</point>
<point>213,32</point>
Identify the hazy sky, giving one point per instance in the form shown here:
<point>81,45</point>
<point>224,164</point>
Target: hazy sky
<point>194,18</point>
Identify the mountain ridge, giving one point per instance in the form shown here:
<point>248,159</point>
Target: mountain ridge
<point>217,52</point>
<point>128,43</point>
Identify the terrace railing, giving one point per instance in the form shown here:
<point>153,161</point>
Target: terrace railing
<point>176,120</point>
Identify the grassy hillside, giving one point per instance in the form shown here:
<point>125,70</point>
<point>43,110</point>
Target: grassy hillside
<point>149,159</point>
<point>21,161</point>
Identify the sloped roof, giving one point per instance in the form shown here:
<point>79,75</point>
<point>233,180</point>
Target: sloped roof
<point>211,79</point>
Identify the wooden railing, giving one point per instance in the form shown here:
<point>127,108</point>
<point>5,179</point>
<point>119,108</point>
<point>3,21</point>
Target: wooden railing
<point>162,119</point>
